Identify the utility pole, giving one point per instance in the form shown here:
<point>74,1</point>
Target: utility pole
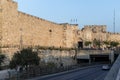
<point>21,40</point>
<point>0,30</point>
<point>114,22</point>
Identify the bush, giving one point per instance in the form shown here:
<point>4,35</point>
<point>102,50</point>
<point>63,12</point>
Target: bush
<point>2,57</point>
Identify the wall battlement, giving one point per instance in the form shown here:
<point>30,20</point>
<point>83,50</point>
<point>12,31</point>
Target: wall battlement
<point>12,1</point>
<point>9,1</point>
<point>35,17</point>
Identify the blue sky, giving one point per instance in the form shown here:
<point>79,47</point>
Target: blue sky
<point>87,12</point>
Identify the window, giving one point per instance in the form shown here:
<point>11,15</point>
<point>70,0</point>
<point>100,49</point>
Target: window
<point>50,30</point>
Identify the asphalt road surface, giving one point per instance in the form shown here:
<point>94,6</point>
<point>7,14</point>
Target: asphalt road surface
<point>91,73</point>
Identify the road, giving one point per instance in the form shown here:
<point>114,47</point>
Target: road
<point>91,73</point>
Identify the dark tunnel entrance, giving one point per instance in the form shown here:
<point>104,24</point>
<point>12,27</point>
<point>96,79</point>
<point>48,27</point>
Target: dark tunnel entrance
<point>95,58</point>
<point>99,58</point>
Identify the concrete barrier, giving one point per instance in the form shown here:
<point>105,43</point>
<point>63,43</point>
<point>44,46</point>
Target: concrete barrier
<point>118,75</point>
<point>113,73</point>
<point>7,74</point>
<point>4,74</point>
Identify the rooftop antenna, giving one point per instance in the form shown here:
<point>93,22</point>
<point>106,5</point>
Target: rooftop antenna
<point>73,21</point>
<point>76,21</point>
<point>114,21</point>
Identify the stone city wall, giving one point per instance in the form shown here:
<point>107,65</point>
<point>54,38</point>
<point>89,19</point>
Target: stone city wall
<point>57,56</point>
<point>64,57</point>
<point>114,37</point>
<point>19,28</point>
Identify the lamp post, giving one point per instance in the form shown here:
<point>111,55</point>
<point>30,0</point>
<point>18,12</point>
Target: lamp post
<point>21,39</point>
<point>114,21</point>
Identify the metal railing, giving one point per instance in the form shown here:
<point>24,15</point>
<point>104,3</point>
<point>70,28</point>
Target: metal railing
<point>38,71</point>
<point>95,51</point>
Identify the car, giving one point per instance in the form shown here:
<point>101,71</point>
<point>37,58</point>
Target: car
<point>105,67</point>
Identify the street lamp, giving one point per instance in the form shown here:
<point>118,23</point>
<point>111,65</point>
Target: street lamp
<point>21,40</point>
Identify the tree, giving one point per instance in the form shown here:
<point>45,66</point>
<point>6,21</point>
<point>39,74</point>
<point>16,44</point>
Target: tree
<point>114,44</point>
<point>24,58</point>
<point>106,42</point>
<point>96,43</point>
<point>2,57</point>
<point>87,43</point>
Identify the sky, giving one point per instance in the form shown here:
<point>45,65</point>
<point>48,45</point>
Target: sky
<point>82,12</point>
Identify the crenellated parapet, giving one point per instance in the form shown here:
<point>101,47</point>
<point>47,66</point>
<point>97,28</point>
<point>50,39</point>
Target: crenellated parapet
<point>91,32</point>
<point>11,1</point>
<point>35,17</point>
<point>96,28</point>
<point>2,2</point>
<point>113,36</point>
